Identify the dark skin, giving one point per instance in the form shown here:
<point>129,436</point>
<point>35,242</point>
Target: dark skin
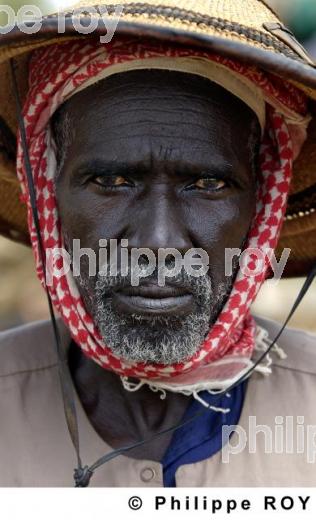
<point>172,168</point>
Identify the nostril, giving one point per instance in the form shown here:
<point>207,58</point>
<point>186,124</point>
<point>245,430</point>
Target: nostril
<point>143,260</point>
<point>169,259</point>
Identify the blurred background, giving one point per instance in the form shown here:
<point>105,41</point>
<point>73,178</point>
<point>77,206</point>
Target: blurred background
<point>21,296</point>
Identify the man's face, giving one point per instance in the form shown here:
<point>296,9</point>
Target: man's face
<point>162,160</point>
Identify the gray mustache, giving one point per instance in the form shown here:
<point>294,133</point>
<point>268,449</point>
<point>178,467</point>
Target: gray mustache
<point>182,280</point>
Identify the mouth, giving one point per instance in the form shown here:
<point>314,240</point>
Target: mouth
<point>151,300</point>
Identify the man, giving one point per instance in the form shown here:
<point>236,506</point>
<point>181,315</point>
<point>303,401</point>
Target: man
<point>166,149</point>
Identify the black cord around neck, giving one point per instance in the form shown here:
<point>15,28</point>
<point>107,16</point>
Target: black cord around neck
<point>64,375</point>
<point>83,474</point>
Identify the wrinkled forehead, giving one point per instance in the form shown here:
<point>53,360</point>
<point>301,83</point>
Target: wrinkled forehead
<point>143,87</point>
<point>160,106</point>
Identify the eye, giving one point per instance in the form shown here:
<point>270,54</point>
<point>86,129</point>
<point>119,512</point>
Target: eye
<point>209,184</point>
<point>113,181</point>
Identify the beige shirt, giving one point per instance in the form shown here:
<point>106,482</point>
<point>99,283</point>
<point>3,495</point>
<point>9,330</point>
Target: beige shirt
<point>35,447</point>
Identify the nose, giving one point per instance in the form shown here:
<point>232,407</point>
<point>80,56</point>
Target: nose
<point>159,224</point>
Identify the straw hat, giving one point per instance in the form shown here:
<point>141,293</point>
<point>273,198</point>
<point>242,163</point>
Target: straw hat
<point>247,30</point>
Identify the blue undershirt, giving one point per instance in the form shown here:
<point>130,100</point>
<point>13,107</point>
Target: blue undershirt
<point>201,438</point>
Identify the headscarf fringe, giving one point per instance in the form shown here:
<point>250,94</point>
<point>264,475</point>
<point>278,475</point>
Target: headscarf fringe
<point>262,344</point>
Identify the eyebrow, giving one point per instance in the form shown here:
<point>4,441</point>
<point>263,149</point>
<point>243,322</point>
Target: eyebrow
<point>110,168</point>
<point>106,167</point>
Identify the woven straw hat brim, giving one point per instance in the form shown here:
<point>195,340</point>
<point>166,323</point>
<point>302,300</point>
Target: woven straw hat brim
<point>247,30</point>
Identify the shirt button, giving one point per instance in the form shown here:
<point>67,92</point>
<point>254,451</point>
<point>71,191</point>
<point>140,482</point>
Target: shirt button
<point>147,474</point>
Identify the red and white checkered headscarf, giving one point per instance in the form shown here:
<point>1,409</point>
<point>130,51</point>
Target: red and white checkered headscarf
<point>58,72</point>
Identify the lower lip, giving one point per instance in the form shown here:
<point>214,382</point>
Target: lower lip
<point>133,304</point>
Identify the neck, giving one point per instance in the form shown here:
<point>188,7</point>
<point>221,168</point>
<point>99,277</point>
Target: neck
<point>121,417</point>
